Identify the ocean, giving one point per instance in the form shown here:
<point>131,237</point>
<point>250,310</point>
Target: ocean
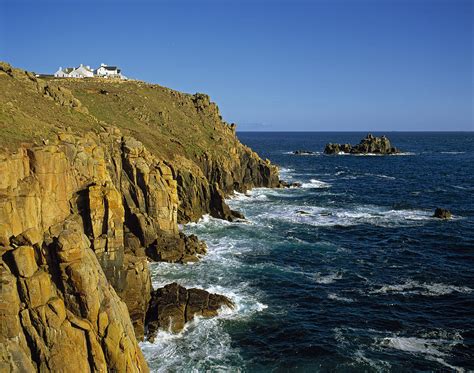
<point>348,273</point>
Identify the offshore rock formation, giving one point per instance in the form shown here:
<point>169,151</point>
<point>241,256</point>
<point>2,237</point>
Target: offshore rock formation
<point>173,306</point>
<point>84,202</point>
<point>303,152</point>
<point>441,213</point>
<point>369,145</point>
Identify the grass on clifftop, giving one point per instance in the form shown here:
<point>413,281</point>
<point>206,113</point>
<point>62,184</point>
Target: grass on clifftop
<point>168,122</point>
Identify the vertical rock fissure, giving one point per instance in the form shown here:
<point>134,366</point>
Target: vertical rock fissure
<point>105,221</point>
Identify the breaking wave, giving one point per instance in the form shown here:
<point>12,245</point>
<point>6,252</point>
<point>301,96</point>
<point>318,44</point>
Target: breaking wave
<point>317,184</point>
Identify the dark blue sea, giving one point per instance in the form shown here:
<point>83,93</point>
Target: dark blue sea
<point>348,273</point>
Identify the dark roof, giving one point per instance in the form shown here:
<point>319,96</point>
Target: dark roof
<point>68,69</point>
<point>110,67</point>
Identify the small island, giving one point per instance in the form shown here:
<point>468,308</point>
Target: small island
<point>369,145</point>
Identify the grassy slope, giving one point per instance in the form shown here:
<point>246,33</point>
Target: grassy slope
<point>171,124</point>
<point>28,116</point>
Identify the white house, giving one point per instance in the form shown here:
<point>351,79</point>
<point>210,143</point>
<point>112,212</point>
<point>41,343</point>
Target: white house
<point>106,71</point>
<point>83,71</point>
<point>63,73</point>
<point>77,72</point>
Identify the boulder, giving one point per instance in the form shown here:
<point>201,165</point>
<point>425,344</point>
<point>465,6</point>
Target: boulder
<point>178,248</point>
<point>24,260</point>
<point>172,306</point>
<point>441,213</point>
<point>286,184</point>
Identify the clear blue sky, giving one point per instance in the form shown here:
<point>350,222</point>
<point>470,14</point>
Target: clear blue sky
<point>270,65</point>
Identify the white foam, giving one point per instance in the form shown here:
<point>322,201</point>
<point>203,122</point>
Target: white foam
<point>463,187</point>
<point>208,221</point>
<point>286,173</point>
<point>327,216</point>
<point>412,287</point>
<point>201,346</point>
<point>376,365</point>
<point>305,154</point>
<point>338,298</point>
<point>329,278</point>
<point>317,184</point>
<point>432,349</point>
<point>236,196</point>
<point>383,155</point>
<point>204,342</point>
<point>413,344</point>
<point>380,176</point>
<point>453,152</point>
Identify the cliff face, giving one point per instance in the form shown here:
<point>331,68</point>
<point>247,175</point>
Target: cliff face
<point>68,257</point>
<point>95,176</point>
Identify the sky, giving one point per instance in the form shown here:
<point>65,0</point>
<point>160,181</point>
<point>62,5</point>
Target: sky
<point>294,65</point>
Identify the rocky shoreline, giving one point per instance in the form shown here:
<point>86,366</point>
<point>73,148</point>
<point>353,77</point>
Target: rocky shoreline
<point>83,211</point>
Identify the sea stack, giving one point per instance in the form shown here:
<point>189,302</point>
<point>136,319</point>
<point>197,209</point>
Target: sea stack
<point>369,145</point>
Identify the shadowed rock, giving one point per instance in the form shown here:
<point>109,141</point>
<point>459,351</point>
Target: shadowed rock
<point>176,248</point>
<point>172,306</point>
<point>285,184</point>
<point>441,213</point>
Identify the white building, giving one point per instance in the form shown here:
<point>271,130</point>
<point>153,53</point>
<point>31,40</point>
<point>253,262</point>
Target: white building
<point>63,73</point>
<point>83,71</point>
<point>75,72</point>
<point>106,71</point>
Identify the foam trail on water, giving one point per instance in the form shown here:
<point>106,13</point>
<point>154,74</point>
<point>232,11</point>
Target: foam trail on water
<point>432,349</point>
<point>412,287</point>
<point>317,184</point>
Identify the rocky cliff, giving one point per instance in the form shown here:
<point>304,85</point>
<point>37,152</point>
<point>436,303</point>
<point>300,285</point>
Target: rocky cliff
<point>94,178</point>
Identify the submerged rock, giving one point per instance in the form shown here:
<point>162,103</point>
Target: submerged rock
<point>172,306</point>
<point>441,213</point>
<point>303,152</point>
<point>302,212</point>
<point>369,145</point>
